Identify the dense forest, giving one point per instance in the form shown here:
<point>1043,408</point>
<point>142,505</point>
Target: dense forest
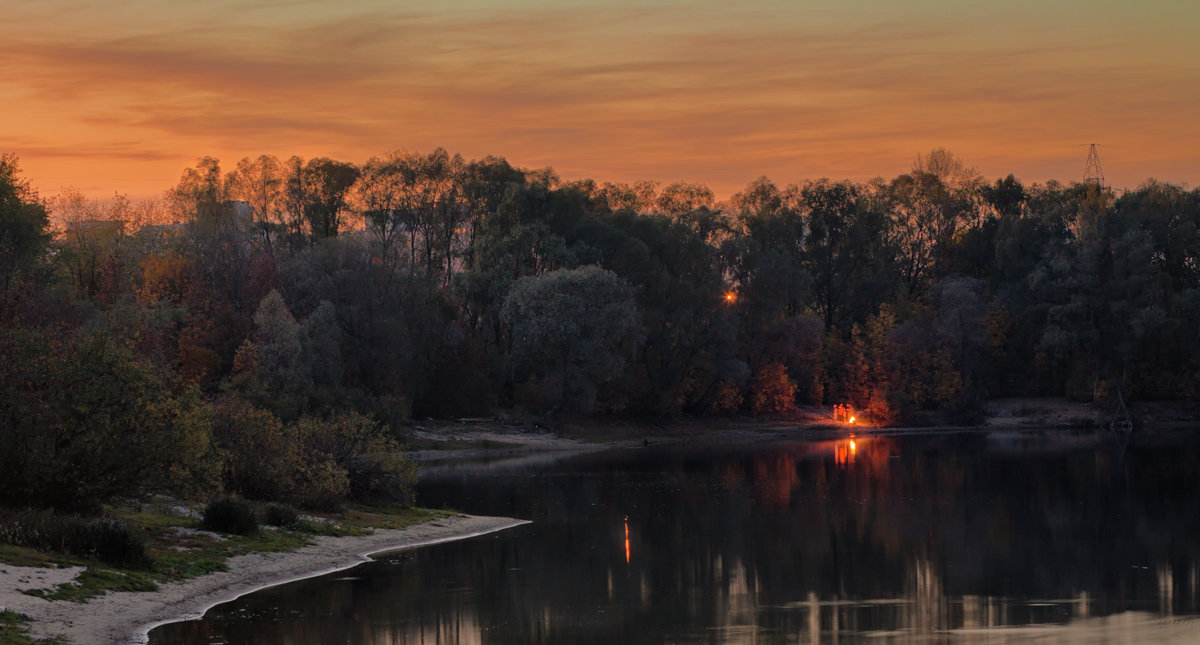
<point>269,329</point>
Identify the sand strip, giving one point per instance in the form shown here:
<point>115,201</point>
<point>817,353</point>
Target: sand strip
<point>127,617</point>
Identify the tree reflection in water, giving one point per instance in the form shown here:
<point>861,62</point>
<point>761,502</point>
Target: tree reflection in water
<point>926,539</point>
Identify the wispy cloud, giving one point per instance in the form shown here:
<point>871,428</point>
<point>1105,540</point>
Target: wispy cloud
<point>694,92</point>
<point>116,150</point>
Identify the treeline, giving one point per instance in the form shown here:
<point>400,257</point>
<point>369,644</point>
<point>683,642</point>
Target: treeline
<point>294,296</point>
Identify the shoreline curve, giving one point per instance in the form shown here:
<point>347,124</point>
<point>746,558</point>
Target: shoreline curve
<point>128,617</point>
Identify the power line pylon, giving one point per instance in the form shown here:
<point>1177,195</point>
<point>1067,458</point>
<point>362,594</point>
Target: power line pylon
<point>1092,172</point>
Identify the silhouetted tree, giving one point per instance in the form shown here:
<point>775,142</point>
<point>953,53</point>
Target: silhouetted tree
<point>573,329</point>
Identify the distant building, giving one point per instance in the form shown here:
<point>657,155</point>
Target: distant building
<point>160,231</point>
<point>242,212</point>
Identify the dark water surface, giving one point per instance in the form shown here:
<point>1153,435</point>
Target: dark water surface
<point>912,539</point>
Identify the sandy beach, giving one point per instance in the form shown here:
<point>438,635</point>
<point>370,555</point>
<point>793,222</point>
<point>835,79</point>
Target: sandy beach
<point>127,617</point>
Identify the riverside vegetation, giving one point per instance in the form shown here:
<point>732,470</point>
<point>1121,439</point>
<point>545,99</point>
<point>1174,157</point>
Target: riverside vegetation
<point>266,332</point>
<point>137,546</point>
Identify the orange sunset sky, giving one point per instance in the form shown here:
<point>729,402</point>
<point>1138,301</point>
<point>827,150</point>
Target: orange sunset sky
<point>121,96</point>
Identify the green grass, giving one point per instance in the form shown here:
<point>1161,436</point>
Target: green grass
<point>13,631</point>
<point>357,521</point>
<point>23,556</point>
<point>189,553</point>
<point>95,582</point>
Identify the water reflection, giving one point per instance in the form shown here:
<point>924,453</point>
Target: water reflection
<point>859,539</point>
<point>845,451</point>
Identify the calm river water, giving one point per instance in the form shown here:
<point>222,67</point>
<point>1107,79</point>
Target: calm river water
<point>909,539</point>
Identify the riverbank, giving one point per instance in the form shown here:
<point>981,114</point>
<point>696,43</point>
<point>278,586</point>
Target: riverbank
<point>505,436</point>
<point>127,617</point>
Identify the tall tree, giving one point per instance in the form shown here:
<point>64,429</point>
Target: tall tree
<point>202,194</point>
<point>23,225</point>
<point>485,184</point>
<point>846,252</point>
<point>573,330</point>
<point>259,183</point>
<point>382,196</point>
<point>325,185</point>
<point>90,246</point>
<point>420,196</point>
<point>680,198</point>
<point>767,259</point>
<point>949,168</point>
<point>927,214</point>
<point>766,265</point>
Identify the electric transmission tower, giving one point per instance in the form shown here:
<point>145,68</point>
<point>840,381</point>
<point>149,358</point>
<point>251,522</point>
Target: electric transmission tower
<point>1092,172</point>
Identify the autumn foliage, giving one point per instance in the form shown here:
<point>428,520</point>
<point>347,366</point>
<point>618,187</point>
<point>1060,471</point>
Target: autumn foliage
<point>271,330</point>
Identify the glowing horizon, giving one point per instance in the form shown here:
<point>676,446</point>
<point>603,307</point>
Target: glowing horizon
<point>121,99</point>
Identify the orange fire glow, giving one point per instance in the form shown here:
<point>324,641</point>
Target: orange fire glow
<point>730,296</point>
<point>843,413</point>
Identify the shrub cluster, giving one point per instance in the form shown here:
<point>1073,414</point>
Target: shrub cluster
<point>86,420</point>
<point>230,515</point>
<point>108,540</point>
<point>312,462</point>
<point>281,515</point>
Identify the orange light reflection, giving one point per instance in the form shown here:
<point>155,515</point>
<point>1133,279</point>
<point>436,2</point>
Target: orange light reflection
<point>845,450</point>
<point>626,539</point>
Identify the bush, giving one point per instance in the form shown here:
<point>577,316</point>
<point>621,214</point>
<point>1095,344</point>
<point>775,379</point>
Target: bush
<point>229,515</point>
<point>727,398</point>
<point>323,486</point>
<point>108,540</point>
<point>383,478</point>
<point>771,391</point>
<point>86,421</point>
<point>112,541</point>
<point>282,515</point>
<point>315,463</point>
<point>352,455</point>
<point>262,456</point>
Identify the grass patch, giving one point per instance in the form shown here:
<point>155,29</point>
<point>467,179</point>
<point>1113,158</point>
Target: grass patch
<point>363,518</point>
<point>95,582</point>
<point>179,565</point>
<point>14,631</point>
<point>25,556</point>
